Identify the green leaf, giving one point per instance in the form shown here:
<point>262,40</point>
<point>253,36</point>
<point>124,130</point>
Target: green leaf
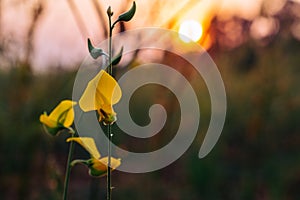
<point>117,58</point>
<point>90,46</point>
<point>95,52</point>
<point>127,16</point>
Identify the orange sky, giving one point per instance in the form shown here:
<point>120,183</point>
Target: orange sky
<point>59,41</point>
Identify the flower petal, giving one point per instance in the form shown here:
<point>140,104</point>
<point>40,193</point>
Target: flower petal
<point>69,118</point>
<point>103,89</point>
<point>109,88</point>
<point>44,119</point>
<point>88,144</point>
<point>63,113</point>
<point>114,162</point>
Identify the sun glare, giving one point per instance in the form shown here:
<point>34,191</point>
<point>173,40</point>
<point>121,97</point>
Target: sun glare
<point>190,30</point>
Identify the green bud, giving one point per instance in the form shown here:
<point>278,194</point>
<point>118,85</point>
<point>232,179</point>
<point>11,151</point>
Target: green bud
<point>92,168</point>
<point>52,131</point>
<point>106,118</point>
<point>109,12</point>
<point>109,120</point>
<point>95,172</point>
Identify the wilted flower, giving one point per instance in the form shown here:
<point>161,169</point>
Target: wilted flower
<point>97,165</point>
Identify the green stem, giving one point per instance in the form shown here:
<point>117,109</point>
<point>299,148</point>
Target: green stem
<point>109,187</point>
<point>68,169</point>
<point>110,46</point>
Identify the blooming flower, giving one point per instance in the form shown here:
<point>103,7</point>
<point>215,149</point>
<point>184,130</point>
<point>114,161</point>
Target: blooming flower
<point>97,165</point>
<point>101,93</point>
<point>60,118</point>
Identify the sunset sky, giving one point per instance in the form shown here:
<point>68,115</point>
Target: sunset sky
<point>59,40</point>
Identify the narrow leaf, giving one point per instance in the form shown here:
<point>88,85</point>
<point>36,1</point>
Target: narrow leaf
<point>117,58</point>
<point>90,46</point>
<point>95,52</point>
<point>127,16</point>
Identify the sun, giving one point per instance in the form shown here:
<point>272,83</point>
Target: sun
<point>190,30</point>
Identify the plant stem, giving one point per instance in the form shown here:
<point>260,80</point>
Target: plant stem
<point>68,169</point>
<point>109,188</point>
<point>110,46</point>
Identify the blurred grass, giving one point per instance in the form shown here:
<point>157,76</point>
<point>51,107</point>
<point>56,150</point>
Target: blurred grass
<point>257,156</point>
<point>25,150</point>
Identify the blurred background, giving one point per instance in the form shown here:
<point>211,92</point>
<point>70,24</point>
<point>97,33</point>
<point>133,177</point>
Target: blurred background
<point>256,46</point>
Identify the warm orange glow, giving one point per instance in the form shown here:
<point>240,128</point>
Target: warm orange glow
<point>190,30</point>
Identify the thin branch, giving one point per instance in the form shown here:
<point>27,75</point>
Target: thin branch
<point>101,17</point>
<point>80,23</point>
<point>36,14</point>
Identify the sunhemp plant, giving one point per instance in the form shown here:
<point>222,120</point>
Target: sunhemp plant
<point>101,93</point>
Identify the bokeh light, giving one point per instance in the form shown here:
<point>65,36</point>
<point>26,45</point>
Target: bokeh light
<point>190,30</point>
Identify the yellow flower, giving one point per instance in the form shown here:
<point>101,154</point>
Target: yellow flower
<point>60,118</point>
<point>97,165</point>
<point>101,93</point>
